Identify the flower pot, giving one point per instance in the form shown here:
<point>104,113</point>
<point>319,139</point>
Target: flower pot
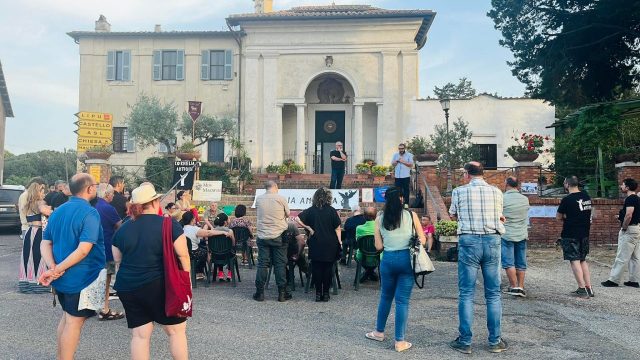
<point>282,177</point>
<point>525,157</point>
<point>272,176</point>
<point>362,177</point>
<point>188,155</point>
<point>448,238</point>
<point>295,176</point>
<point>378,179</point>
<point>427,156</point>
<point>98,155</point>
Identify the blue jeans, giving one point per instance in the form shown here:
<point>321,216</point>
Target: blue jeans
<point>396,277</point>
<point>479,252</point>
<point>336,179</point>
<point>514,254</point>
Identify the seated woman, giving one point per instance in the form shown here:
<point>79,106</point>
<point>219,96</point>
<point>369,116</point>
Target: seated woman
<point>221,223</point>
<point>198,251</point>
<point>241,221</point>
<point>172,210</point>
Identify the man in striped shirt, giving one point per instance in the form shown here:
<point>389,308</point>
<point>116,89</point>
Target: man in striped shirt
<point>477,207</point>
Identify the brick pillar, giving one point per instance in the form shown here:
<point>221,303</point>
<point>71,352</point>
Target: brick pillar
<point>99,169</point>
<point>628,169</point>
<point>428,171</point>
<point>527,172</point>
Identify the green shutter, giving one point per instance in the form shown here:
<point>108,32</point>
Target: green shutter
<point>157,65</point>
<point>204,68</point>
<point>126,65</point>
<point>111,65</point>
<point>180,65</point>
<point>228,64</point>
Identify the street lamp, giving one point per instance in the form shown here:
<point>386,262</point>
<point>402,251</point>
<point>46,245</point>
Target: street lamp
<point>446,103</point>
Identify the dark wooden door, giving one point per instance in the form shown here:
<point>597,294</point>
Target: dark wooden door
<point>329,129</point>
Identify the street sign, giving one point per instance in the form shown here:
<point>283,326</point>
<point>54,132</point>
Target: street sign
<point>94,129</point>
<point>94,124</point>
<point>93,116</point>
<point>184,173</point>
<point>93,133</point>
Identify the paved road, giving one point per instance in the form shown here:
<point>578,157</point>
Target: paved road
<point>227,324</point>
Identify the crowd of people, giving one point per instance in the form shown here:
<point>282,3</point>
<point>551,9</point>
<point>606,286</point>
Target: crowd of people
<point>79,236</point>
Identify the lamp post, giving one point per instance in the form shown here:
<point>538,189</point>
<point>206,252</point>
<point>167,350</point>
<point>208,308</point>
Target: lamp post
<point>445,103</point>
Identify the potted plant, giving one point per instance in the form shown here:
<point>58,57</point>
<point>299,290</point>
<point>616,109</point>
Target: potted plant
<point>187,151</point>
<point>283,170</point>
<point>447,231</point>
<point>272,171</point>
<point>421,149</point>
<point>379,172</point>
<point>370,162</point>
<point>99,152</point>
<point>362,171</point>
<point>296,171</point>
<point>528,147</point>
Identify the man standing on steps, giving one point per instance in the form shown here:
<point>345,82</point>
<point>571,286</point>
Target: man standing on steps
<point>628,238</point>
<point>514,241</point>
<point>402,162</point>
<point>338,160</point>
<point>273,212</point>
<point>575,213</point>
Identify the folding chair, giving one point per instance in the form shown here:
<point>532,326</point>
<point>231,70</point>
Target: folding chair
<point>223,253</point>
<point>243,236</point>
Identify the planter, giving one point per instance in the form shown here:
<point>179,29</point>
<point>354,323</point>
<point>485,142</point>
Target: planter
<point>282,177</point>
<point>632,157</point>
<point>188,155</point>
<point>525,157</point>
<point>362,177</point>
<point>448,238</point>
<point>428,156</point>
<point>272,176</point>
<point>378,179</point>
<point>98,155</point>
<point>296,176</point>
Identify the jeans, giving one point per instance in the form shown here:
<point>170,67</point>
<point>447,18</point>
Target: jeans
<point>628,253</point>
<point>404,183</point>
<point>336,179</point>
<point>396,277</point>
<point>479,252</point>
<point>514,254</point>
<point>271,250</point>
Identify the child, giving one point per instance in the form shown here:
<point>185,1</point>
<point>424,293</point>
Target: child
<point>221,223</point>
<point>429,230</point>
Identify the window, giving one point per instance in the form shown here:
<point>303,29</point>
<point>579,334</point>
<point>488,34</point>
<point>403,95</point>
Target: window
<point>217,65</point>
<point>216,151</point>
<point>168,65</point>
<point>487,155</point>
<point>119,65</point>
<point>121,140</point>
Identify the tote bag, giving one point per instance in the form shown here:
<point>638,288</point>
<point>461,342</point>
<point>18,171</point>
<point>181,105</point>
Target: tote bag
<point>420,261</point>
<point>177,282</point>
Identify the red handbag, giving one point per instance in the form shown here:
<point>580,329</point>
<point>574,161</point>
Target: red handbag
<point>177,282</point>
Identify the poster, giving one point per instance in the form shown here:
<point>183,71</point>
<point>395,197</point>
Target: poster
<point>94,171</point>
<point>207,190</point>
<point>379,193</point>
<point>529,188</point>
<point>300,199</point>
<point>367,195</point>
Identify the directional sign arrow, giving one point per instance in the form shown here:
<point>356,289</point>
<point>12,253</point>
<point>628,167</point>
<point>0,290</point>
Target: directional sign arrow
<point>93,116</point>
<point>93,124</point>
<point>93,133</point>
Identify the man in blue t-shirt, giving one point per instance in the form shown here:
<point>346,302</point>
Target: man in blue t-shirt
<point>73,248</point>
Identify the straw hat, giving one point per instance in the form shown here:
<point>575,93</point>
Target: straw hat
<point>143,194</point>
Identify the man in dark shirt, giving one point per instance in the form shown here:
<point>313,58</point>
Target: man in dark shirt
<point>58,187</point>
<point>338,159</point>
<point>60,197</point>
<point>575,212</point>
<point>349,233</point>
<point>628,238</point>
<point>119,202</point>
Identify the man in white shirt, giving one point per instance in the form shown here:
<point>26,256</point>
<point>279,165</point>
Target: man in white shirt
<point>402,162</point>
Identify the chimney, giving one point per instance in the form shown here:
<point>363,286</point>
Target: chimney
<point>268,6</point>
<point>102,25</point>
<point>157,28</point>
<point>263,6</point>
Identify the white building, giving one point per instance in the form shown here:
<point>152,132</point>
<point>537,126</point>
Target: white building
<point>5,112</point>
<point>297,80</point>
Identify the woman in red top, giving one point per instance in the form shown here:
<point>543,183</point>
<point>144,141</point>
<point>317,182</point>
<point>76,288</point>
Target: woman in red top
<point>429,230</point>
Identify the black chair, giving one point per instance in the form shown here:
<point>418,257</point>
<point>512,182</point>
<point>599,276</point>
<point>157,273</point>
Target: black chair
<point>243,236</point>
<point>291,275</point>
<point>223,253</point>
<point>369,257</point>
<point>335,280</point>
<point>194,282</point>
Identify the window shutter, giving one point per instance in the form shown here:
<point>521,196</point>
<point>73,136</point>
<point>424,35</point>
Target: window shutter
<point>180,65</point>
<point>111,65</point>
<point>126,65</point>
<point>204,68</point>
<point>131,144</point>
<point>157,65</point>
<point>228,64</point>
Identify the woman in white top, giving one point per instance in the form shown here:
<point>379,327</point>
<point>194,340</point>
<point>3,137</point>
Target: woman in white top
<point>197,236</point>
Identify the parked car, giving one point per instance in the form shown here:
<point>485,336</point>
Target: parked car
<point>9,212</point>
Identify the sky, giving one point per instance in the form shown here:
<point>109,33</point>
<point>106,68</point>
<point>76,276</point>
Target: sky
<point>41,63</point>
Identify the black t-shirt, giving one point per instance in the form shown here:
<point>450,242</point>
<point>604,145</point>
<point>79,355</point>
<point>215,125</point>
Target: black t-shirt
<point>634,202</point>
<point>58,199</point>
<point>337,165</point>
<point>49,197</point>
<point>140,242</point>
<point>120,203</point>
<point>577,208</point>
<point>323,245</point>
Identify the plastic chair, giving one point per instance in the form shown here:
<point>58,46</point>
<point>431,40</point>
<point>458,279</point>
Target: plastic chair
<point>194,282</point>
<point>223,253</point>
<point>291,275</point>
<point>370,257</point>
<point>242,236</point>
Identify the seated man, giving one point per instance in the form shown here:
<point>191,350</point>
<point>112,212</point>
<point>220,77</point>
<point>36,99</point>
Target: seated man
<point>349,233</point>
<point>368,228</point>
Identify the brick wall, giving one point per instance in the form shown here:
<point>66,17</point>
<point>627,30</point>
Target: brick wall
<point>628,170</point>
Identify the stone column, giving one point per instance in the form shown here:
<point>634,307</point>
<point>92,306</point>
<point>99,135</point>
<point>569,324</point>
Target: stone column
<point>528,172</point>
<point>380,143</point>
<point>251,102</point>
<point>272,138</point>
<point>272,112</point>
<point>99,169</point>
<point>300,135</point>
<point>357,134</point>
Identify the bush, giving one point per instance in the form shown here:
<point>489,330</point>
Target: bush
<point>283,169</point>
<point>418,145</point>
<point>379,170</point>
<point>363,168</point>
<point>187,147</point>
<point>272,169</point>
<point>296,169</point>
<point>446,228</point>
<point>210,171</point>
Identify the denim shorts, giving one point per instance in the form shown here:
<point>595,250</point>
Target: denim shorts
<point>514,254</point>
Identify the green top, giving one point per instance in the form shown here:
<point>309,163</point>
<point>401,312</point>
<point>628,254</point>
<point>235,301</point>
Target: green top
<point>368,228</point>
<point>397,239</point>
<point>515,209</point>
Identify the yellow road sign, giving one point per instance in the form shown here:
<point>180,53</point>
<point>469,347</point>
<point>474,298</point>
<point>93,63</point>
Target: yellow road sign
<point>93,124</point>
<point>86,115</point>
<point>93,133</point>
<point>93,141</point>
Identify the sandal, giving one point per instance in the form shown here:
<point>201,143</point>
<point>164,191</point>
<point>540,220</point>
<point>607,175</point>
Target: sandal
<point>407,346</point>
<point>372,335</point>
<point>110,315</point>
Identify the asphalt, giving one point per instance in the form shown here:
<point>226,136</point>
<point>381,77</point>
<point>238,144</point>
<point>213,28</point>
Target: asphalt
<point>228,324</point>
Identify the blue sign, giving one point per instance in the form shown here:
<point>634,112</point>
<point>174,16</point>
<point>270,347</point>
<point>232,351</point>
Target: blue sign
<point>378,193</point>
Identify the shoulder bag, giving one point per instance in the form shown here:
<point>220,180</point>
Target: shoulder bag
<point>420,261</point>
<point>177,282</point>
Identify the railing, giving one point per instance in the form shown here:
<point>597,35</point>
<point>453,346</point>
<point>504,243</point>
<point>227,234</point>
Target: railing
<point>313,161</point>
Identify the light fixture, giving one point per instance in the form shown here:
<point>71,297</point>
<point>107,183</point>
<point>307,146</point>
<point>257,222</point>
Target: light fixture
<point>445,104</point>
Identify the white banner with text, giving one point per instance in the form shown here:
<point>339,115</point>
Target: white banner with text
<point>207,190</point>
<point>347,199</point>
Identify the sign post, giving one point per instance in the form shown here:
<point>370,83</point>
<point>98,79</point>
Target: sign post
<point>94,129</point>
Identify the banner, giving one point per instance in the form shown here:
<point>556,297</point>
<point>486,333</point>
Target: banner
<point>195,107</point>
<point>347,199</point>
<point>207,190</point>
<point>379,192</point>
<point>182,167</point>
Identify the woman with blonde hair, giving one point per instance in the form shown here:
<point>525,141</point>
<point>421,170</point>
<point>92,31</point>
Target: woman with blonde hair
<point>32,264</point>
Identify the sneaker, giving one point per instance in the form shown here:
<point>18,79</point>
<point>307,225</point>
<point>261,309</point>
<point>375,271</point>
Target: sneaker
<point>632,284</point>
<point>581,292</point>
<point>199,276</point>
<point>590,291</point>
<point>220,276</point>
<point>512,291</point>
<point>258,296</point>
<point>499,347</point>
<point>458,346</point>
<point>518,292</point>
<point>609,283</point>
<point>228,275</point>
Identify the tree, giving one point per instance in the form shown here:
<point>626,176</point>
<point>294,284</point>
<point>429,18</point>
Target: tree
<point>460,148</point>
<point>48,164</point>
<point>207,127</point>
<point>572,52</point>
<point>151,122</point>
<point>463,90</point>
